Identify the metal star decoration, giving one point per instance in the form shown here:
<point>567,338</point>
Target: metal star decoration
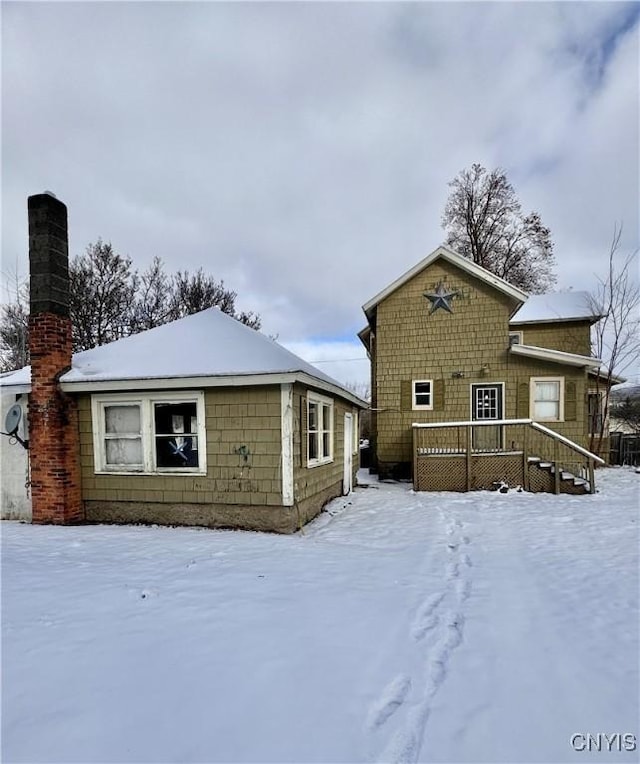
<point>440,298</point>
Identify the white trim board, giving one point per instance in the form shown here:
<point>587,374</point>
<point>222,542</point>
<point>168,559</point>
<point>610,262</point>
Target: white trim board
<point>182,383</point>
<point>286,429</point>
<point>555,356</point>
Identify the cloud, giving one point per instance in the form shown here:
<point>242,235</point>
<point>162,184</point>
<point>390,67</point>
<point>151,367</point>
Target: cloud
<point>301,152</point>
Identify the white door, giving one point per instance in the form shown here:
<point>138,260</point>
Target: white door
<point>487,404</point>
<point>348,454</point>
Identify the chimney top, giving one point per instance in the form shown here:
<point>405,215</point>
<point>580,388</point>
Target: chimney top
<point>48,255</point>
<point>50,193</point>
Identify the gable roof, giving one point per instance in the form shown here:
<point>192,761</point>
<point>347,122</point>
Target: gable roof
<point>207,347</point>
<point>464,263</point>
<point>556,306</point>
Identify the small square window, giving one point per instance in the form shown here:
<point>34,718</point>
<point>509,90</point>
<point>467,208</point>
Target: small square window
<point>515,338</point>
<point>422,394</point>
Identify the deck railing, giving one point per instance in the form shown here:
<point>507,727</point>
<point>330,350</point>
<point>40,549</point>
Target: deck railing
<point>509,451</point>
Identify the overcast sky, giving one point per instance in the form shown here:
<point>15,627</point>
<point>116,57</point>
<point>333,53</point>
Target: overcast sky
<point>302,151</point>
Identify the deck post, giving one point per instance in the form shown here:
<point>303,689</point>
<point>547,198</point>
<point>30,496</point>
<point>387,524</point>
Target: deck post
<point>468,458</point>
<point>525,458</point>
<point>592,477</point>
<point>415,458</point>
<point>556,468</point>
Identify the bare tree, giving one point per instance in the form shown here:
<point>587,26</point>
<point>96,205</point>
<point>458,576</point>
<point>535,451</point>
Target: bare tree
<point>191,293</point>
<point>109,300</point>
<point>483,220</point>
<point>14,326</point>
<point>616,337</point>
<point>103,288</point>
<point>361,389</point>
<point>153,299</point>
<point>627,411</point>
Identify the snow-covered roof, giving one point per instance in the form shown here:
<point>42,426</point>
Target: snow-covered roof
<point>209,344</point>
<point>556,306</point>
<point>456,259</point>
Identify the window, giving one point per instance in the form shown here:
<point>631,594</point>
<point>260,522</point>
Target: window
<point>319,430</point>
<point>422,394</point>
<point>162,432</point>
<point>123,436</point>
<point>515,338</point>
<point>595,407</point>
<point>547,399</point>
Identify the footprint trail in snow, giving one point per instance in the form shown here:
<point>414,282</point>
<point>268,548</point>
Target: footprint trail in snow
<point>437,629</point>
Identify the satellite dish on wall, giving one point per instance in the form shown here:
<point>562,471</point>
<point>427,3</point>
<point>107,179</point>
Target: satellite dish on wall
<point>13,419</point>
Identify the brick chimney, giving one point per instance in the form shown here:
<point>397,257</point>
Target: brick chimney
<point>53,418</point>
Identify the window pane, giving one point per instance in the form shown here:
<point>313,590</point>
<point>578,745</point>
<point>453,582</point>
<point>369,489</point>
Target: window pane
<point>124,451</point>
<point>119,420</point>
<point>178,451</point>
<point>547,410</point>
<point>326,445</point>
<point>547,391</point>
<point>422,393</point>
<point>176,441</point>
<point>313,416</point>
<point>174,417</point>
<point>326,417</point>
<point>486,403</point>
<point>313,445</point>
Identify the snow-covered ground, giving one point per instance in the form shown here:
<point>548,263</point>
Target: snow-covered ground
<point>397,627</point>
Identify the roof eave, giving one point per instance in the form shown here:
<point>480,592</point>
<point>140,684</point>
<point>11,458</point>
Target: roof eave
<point>18,389</point>
<point>230,380</point>
<point>555,356</point>
<point>576,319</point>
<point>604,373</point>
<point>364,336</point>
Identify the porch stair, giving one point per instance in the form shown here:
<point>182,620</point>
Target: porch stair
<point>532,455</point>
<point>569,483</point>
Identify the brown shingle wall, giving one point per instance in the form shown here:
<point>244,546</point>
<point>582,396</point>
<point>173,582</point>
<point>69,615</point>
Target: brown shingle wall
<point>568,336</point>
<point>412,344</point>
<point>235,417</point>
<point>325,479</point>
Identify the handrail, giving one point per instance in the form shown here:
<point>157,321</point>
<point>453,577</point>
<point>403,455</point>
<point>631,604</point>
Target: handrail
<point>540,427</point>
<point>480,423</point>
<point>567,442</point>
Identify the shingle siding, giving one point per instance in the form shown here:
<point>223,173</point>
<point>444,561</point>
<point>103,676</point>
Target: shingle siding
<point>234,492</point>
<point>325,479</point>
<point>455,350</point>
<point>567,336</point>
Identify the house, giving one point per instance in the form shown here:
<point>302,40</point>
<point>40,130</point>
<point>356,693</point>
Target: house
<point>202,421</point>
<point>474,382</point>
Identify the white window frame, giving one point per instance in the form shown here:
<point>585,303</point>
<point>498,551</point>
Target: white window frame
<point>519,335</point>
<point>355,420</point>
<point>320,401</point>
<point>421,406</point>
<point>532,398</point>
<point>147,427</point>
